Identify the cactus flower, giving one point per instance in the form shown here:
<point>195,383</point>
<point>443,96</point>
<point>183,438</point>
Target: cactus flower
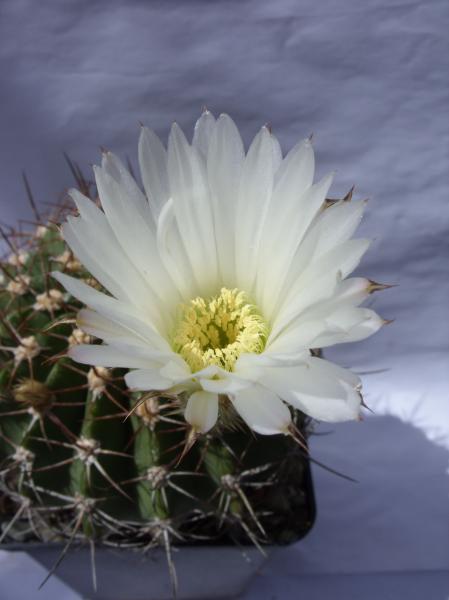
<point>222,277</point>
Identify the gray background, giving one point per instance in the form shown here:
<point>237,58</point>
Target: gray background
<point>370,80</point>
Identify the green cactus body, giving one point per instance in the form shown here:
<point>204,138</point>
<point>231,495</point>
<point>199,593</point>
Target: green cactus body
<point>72,452</point>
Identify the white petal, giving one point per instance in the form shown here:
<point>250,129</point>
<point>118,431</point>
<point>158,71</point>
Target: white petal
<point>251,366</point>
<point>262,410</point>
<point>176,369</point>
<point>87,294</point>
<point>92,235</point>
<point>124,314</point>
<point>229,384</point>
<point>108,356</point>
<point>333,321</point>
<point>336,265</point>
<point>146,380</point>
<point>300,164</point>
<point>114,167</point>
<point>321,288</point>
<point>331,409</point>
<point>254,194</point>
<point>224,166</point>
<point>276,153</point>
<point>330,369</point>
<point>352,291</point>
<point>298,337</point>
<point>349,324</point>
<point>172,252</point>
<point>202,411</point>
<point>343,258</point>
<point>317,390</point>
<point>138,243</point>
<point>76,232</point>
<point>347,294</point>
<point>98,325</point>
<point>291,213</point>
<point>153,168</point>
<point>338,223</point>
<point>129,199</point>
<point>326,325</point>
<point>179,371</point>
<point>203,131</point>
<point>191,206</point>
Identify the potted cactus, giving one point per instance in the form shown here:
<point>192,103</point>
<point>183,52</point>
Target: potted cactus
<point>169,418</point>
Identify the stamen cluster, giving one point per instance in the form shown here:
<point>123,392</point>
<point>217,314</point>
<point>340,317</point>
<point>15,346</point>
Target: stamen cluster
<point>219,330</point>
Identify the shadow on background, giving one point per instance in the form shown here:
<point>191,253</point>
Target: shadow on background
<point>385,537</point>
<point>369,586</point>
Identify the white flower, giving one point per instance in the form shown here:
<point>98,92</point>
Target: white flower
<point>222,277</point>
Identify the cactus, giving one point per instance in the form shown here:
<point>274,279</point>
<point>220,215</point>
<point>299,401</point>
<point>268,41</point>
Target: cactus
<point>83,458</point>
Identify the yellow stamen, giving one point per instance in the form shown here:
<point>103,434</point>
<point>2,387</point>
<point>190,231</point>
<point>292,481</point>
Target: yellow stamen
<point>218,330</point>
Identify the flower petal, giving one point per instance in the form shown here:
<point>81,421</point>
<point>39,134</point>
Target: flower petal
<point>320,275</point>
<point>320,391</point>
<point>276,153</point>
<point>114,167</point>
<point>192,209</point>
<point>76,232</point>
<point>330,369</point>
<point>92,236</point>
<point>298,337</point>
<point>254,195</point>
<point>349,324</point>
<point>229,384</point>
<point>108,356</point>
<point>202,411</point>
<point>293,210</point>
<point>172,251</point>
<point>138,241</point>
<point>98,325</point>
<point>318,290</point>
<point>124,314</point>
<point>203,132</point>
<point>153,168</point>
<point>338,223</point>
<point>262,410</point>
<point>224,166</point>
<point>146,380</point>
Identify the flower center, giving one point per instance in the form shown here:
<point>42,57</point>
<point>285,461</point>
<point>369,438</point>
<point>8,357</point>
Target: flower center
<point>218,330</point>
